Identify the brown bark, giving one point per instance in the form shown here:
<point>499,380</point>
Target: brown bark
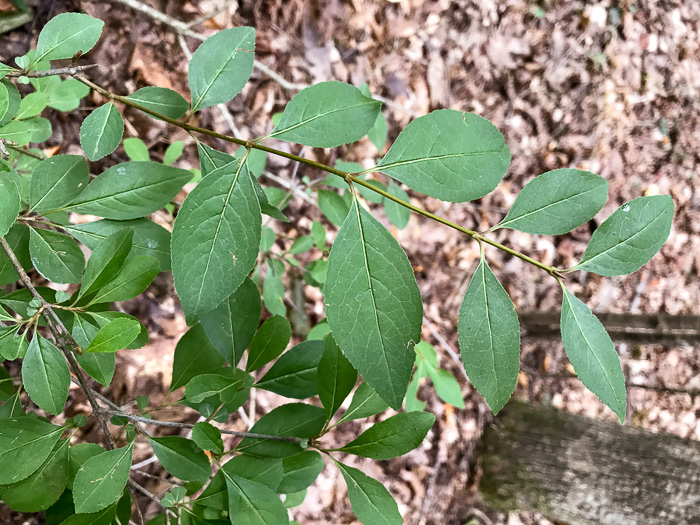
<point>583,471</point>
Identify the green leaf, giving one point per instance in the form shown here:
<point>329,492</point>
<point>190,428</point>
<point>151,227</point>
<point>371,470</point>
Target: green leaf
<point>181,457</point>
<point>32,105</point>
<point>273,288</point>
<point>378,134</point>
<point>265,206</point>
<point>173,152</point>
<point>268,342</point>
<point>56,256</point>
<point>43,488</point>
<point>4,98</point>
<point>449,155</point>
<point>204,386</point>
<point>45,375</point>
<point>447,387</point>
<point>4,70</point>
<point>221,66</point>
<point>105,317</point>
<point>98,366</point>
<point>12,344</point>
<point>101,132</point>
<point>134,277</point>
<point>629,238</point>
<point>194,355</point>
<point>489,337</point>
<point>149,238</point>
<point>556,202</point>
<point>252,503</point>
<point>318,232</point>
<point>300,471</point>
<point>6,386</point>
<point>9,196</point>
<point>106,261</point>
<point>392,437</point>
<point>373,304</point>
<point>161,100</point>
<point>294,419</point>
<point>267,471</point>
<point>78,455</point>
<point>56,181</point>
<point>18,239</point>
<point>66,34</point>
<point>365,403</point>
<point>294,499</point>
<point>592,353</point>
<point>326,115</point>
<point>301,244</point>
<point>131,190</point>
<point>370,500</point>
<point>294,373</point>
<point>397,214</point>
<point>232,324</point>
<point>101,480</point>
<point>25,443</point>
<point>336,377</point>
<point>102,517</point>
<point>136,149</point>
<point>18,131</point>
<point>333,206</point>
<point>215,240</point>
<point>12,407</point>
<point>208,437</point>
<point>114,336</point>
<point>11,103</point>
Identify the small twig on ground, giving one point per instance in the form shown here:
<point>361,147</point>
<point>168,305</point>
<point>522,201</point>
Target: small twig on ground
<point>444,345</point>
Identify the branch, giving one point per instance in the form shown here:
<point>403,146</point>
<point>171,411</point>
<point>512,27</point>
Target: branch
<point>132,417</point>
<point>136,486</point>
<point>347,176</point>
<point>63,339</point>
<point>72,71</point>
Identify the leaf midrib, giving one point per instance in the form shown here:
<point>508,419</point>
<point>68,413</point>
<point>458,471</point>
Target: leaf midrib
<point>507,221</point>
<point>218,229</point>
<point>371,292</point>
<point>623,241</point>
<point>595,355</point>
<point>381,167</point>
<point>317,116</point>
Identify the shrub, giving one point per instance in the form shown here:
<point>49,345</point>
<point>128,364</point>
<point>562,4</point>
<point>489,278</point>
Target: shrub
<point>373,305</point>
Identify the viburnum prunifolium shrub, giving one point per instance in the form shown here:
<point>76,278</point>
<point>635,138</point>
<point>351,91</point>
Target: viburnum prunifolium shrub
<point>227,262</point>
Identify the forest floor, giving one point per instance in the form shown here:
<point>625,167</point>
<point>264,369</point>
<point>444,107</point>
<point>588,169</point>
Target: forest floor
<point>611,87</point>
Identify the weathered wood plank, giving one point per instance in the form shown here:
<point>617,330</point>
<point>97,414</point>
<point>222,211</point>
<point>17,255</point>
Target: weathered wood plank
<point>584,471</point>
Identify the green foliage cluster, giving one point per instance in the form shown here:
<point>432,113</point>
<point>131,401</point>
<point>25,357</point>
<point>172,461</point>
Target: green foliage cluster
<point>225,270</point>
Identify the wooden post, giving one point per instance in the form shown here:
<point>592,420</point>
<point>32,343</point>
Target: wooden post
<point>584,471</point>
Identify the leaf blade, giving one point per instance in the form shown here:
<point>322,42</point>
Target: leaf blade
<point>215,240</point>
<point>101,132</point>
<point>630,237</point>
<point>592,353</point>
<point>452,156</point>
<point>375,331</point>
<point>327,115</point>
<point>556,202</point>
<point>491,355</point>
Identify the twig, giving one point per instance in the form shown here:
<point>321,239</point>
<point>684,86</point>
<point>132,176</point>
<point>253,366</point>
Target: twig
<point>63,340</point>
<point>445,345</point>
<point>132,417</point>
<point>655,388</point>
<point>71,70</point>
<point>150,496</point>
<point>346,176</point>
<point>184,29</point>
